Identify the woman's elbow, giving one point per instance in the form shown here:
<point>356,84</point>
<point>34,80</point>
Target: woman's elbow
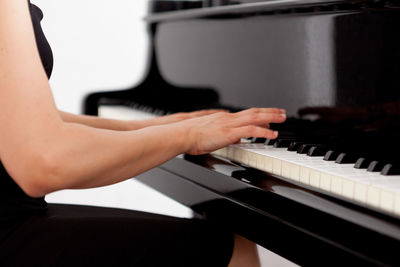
<point>37,174</point>
<point>34,188</point>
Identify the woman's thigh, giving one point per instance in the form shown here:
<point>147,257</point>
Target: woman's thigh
<point>70,235</point>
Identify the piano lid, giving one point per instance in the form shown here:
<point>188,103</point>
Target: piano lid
<point>181,9</point>
<point>313,57</point>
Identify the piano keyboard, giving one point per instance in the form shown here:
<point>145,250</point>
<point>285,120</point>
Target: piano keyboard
<point>368,188</point>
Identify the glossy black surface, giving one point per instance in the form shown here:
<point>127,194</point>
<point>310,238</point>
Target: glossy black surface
<point>335,62</point>
<point>201,6</point>
<point>287,60</point>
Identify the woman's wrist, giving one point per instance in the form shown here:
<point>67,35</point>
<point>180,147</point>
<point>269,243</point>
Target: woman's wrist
<point>178,135</point>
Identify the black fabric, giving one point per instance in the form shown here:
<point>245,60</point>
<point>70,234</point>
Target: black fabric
<point>45,52</point>
<point>33,233</point>
<point>89,236</point>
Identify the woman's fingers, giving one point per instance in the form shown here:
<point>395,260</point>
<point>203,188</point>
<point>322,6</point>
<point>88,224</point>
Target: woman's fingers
<point>250,112</point>
<point>258,119</point>
<point>260,110</point>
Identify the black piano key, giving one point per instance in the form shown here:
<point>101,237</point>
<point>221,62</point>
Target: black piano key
<point>362,163</point>
<point>346,158</point>
<point>294,146</point>
<point>317,151</point>
<point>376,166</point>
<point>283,142</point>
<point>286,135</point>
<point>391,169</point>
<point>270,142</point>
<point>331,155</point>
<point>304,148</point>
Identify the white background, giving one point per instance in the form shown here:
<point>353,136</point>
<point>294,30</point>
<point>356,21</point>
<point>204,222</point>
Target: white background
<point>102,45</point>
<point>97,45</point>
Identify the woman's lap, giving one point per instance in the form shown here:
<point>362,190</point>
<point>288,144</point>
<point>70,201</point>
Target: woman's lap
<point>70,235</point>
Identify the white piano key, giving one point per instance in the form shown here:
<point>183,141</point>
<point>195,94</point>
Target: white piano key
<point>397,204</point>
<point>244,157</point>
<point>373,196</point>
<point>230,152</point>
<point>223,152</point>
<point>305,175</point>
<point>348,188</point>
<point>387,201</point>
<point>315,177</point>
<point>253,159</point>
<point>325,182</point>
<point>217,152</point>
<point>389,187</point>
<point>336,184</point>
<point>286,166</point>
<point>237,154</point>
<point>295,172</point>
<point>268,164</point>
<point>260,162</point>
<point>276,166</point>
<point>360,192</point>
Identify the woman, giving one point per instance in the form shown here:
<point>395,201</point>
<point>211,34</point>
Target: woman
<point>43,150</point>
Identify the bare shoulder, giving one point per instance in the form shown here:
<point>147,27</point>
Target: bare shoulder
<point>16,31</point>
<point>13,8</point>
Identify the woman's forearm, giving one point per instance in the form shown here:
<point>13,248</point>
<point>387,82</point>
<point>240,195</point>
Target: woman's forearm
<point>78,156</point>
<point>102,123</point>
<point>129,125</point>
<point>108,156</point>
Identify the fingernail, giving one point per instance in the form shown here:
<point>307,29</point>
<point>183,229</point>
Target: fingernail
<point>276,133</point>
<point>283,111</point>
<point>283,115</point>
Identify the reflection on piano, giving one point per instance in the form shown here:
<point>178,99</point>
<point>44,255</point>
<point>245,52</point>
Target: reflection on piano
<point>327,191</point>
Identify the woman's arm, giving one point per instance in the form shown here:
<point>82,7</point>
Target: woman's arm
<point>86,157</point>
<point>42,153</point>
<point>102,123</point>
<point>130,125</point>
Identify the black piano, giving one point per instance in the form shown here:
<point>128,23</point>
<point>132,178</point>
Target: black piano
<point>327,192</point>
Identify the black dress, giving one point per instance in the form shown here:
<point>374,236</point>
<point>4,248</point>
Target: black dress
<point>33,233</point>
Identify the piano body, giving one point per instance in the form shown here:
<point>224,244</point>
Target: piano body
<point>327,192</point>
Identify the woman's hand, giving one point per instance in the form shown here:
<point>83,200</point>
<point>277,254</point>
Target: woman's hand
<point>211,132</point>
<point>167,119</point>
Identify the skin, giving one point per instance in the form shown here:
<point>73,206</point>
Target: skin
<point>120,125</point>
<point>45,150</point>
